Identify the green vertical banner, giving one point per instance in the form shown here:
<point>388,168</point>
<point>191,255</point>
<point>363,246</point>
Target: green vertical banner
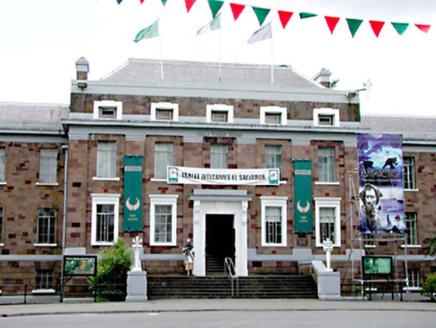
<point>132,193</point>
<point>303,196</point>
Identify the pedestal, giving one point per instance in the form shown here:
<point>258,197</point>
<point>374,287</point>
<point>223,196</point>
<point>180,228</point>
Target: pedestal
<point>136,286</point>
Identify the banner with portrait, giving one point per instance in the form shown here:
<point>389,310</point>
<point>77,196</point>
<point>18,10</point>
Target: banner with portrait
<point>381,197</point>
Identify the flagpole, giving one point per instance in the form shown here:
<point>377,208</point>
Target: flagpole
<point>272,57</point>
<point>221,54</point>
<point>161,60</point>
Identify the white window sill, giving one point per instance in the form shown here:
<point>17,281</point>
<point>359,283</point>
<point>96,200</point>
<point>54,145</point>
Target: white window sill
<point>47,184</point>
<point>3,183</point>
<point>96,243</point>
<point>158,180</point>
<point>411,246</point>
<point>412,288</point>
<point>327,183</point>
<point>2,244</point>
<point>273,245</point>
<point>43,291</point>
<point>283,182</point>
<point>369,246</point>
<point>414,190</point>
<point>105,179</point>
<point>162,244</point>
<point>45,245</point>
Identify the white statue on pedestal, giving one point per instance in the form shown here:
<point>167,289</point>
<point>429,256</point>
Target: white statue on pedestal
<point>328,247</point>
<point>137,246</point>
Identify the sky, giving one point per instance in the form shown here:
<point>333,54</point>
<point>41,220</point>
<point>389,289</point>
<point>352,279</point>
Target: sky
<point>40,42</point>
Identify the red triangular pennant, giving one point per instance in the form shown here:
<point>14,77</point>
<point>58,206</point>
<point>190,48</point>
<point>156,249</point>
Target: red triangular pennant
<point>236,10</point>
<point>285,16</point>
<point>423,28</point>
<point>376,26</point>
<point>142,1</point>
<point>189,4</point>
<point>332,22</point>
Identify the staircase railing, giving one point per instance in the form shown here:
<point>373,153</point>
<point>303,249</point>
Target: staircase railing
<point>229,266</point>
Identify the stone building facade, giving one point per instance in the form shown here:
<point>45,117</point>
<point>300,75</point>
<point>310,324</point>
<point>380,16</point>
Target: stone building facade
<point>213,117</point>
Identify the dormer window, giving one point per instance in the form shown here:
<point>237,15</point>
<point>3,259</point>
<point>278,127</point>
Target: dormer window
<point>273,115</point>
<point>108,109</point>
<point>326,117</point>
<point>164,111</point>
<point>219,114</point>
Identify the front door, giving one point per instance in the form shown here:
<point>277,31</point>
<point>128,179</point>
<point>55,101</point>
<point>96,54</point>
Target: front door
<point>220,241</point>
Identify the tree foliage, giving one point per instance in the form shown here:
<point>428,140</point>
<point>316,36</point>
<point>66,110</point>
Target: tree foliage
<point>429,287</point>
<point>431,246</point>
<point>112,268</point>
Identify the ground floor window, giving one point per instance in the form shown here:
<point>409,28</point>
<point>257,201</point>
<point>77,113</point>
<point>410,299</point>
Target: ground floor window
<point>163,220</point>
<point>328,220</point>
<point>44,279</point>
<point>105,218</point>
<point>273,221</point>
<point>414,277</point>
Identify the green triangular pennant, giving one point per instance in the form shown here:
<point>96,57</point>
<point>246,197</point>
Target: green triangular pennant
<point>307,15</point>
<point>215,6</point>
<point>119,1</point>
<point>261,14</point>
<point>400,27</point>
<point>164,2</point>
<point>353,25</point>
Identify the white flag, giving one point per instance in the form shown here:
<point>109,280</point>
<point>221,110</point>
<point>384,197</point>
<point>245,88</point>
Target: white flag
<point>214,24</point>
<point>261,34</point>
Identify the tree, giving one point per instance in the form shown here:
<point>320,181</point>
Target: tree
<point>431,246</point>
<point>429,287</point>
<point>112,268</point>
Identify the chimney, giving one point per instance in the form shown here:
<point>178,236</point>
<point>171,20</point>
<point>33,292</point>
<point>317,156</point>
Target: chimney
<point>82,68</point>
<point>324,77</point>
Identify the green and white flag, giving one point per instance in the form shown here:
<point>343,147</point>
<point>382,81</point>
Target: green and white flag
<point>149,32</point>
<point>214,24</point>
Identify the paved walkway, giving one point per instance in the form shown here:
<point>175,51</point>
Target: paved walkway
<point>187,305</point>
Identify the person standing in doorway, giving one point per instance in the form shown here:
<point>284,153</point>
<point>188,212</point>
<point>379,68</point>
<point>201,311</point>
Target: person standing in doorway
<point>188,251</point>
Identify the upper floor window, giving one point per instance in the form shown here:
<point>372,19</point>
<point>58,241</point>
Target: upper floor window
<point>163,157</point>
<point>414,278</point>
<point>164,111</point>
<point>273,115</point>
<point>46,225</point>
<point>108,109</point>
<point>219,156</point>
<point>273,221</point>
<point>327,221</point>
<point>326,117</point>
<point>48,166</point>
<point>273,156</point>
<point>106,159</point>
<point>163,220</point>
<point>219,114</point>
<point>2,164</point>
<point>409,173</point>
<point>326,164</point>
<point>105,218</point>
<point>411,228</point>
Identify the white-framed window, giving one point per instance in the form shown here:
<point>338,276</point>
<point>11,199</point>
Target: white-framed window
<point>164,111</point>
<point>2,165</point>
<point>163,157</point>
<point>48,166</point>
<point>273,157</point>
<point>326,117</point>
<point>1,226</point>
<point>163,220</point>
<point>409,173</point>
<point>326,164</point>
<point>105,219</point>
<point>273,115</point>
<point>412,228</point>
<point>108,109</point>
<point>368,241</point>
<point>46,226</point>
<point>44,280</point>
<point>328,220</point>
<point>414,277</point>
<point>219,156</point>
<point>106,160</point>
<point>273,220</point>
<point>219,113</point>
